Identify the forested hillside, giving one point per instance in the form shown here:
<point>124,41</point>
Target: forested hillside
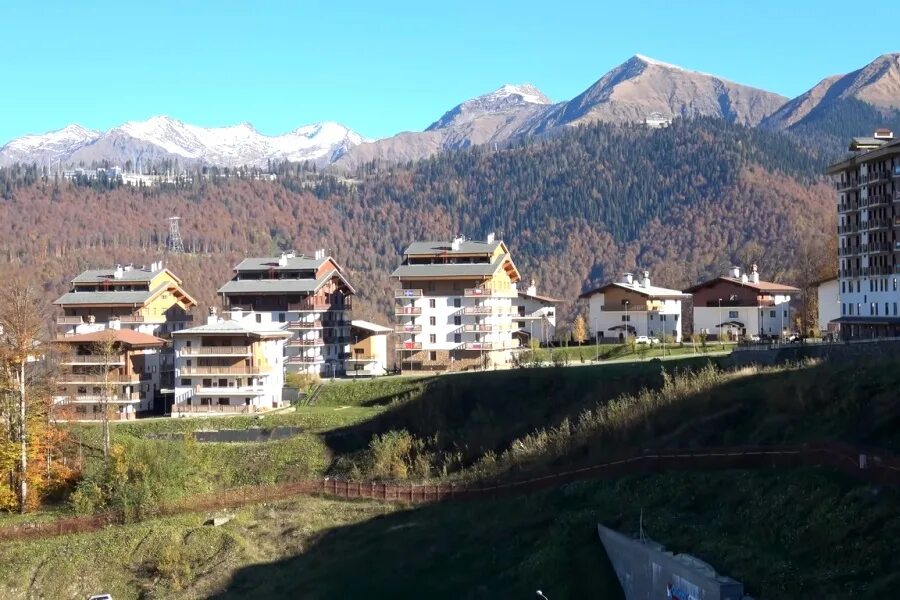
<point>576,209</point>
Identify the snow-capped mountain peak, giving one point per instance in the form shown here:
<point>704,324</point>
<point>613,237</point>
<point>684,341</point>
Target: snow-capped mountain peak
<point>506,98</point>
<point>48,146</point>
<point>525,92</point>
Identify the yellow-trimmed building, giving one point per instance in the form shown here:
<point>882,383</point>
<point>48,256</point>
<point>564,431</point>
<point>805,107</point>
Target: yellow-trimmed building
<point>455,306</point>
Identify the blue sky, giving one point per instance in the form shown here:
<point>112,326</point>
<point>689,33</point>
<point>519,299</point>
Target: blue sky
<point>383,67</point>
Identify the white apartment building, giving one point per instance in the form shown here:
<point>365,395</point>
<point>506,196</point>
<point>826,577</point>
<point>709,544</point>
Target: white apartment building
<point>228,367</point>
<point>308,296</point>
<point>455,310</point>
<point>829,302</point>
<point>739,305</point>
<point>626,308</point>
<point>535,315</point>
<point>868,204</point>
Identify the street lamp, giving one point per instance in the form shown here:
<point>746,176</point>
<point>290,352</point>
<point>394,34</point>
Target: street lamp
<point>626,321</point>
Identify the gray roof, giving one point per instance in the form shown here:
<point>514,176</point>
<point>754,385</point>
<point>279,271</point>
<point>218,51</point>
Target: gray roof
<point>266,263</point>
<point>466,247</point>
<point>234,328</point>
<point>449,269</point>
<point>101,275</point>
<point>104,298</point>
<point>281,286</point>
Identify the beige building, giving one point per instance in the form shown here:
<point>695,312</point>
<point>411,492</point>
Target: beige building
<point>369,350</point>
<point>456,305</point>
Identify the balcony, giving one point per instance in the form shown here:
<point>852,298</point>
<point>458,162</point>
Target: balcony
<point>70,320</point>
<point>409,293</point>
<point>111,379</point>
<point>96,399</point>
<point>304,325</point>
<point>407,310</point>
<point>233,370</point>
<point>479,310</point>
<point>409,346</point>
<point>305,343</point>
<point>842,186</point>
<point>486,346</point>
<point>876,200</point>
<point>850,228</point>
<point>874,224</point>
<point>408,329</point>
<point>478,292</point>
<point>141,318</point>
<point>215,350</point>
<point>229,390</point>
<point>482,327</point>
<point>321,305</point>
<point>93,359</point>
<point>305,360</point>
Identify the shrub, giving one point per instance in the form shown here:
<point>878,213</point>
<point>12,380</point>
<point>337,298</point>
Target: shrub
<point>398,455</point>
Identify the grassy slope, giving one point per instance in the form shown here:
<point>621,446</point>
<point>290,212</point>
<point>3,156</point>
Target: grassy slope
<point>799,534</point>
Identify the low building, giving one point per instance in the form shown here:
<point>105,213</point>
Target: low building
<point>739,305</point>
<point>111,370</point>
<point>829,302</point>
<point>626,308</point>
<point>454,308</point>
<point>310,296</point>
<point>368,354</point>
<point>228,367</point>
<point>535,315</point>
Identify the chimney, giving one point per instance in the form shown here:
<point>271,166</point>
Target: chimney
<point>118,272</point>
<point>754,275</point>
<point>744,278</point>
<point>129,267</point>
<point>282,260</point>
<point>736,272</point>
<point>532,289</point>
<point>456,243</point>
<point>115,323</point>
<point>628,278</point>
<point>490,238</point>
<point>646,280</point>
<point>91,319</point>
<point>212,319</point>
<point>290,254</point>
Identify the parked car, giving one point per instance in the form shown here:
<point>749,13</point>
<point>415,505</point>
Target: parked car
<point>643,339</point>
<point>755,338</point>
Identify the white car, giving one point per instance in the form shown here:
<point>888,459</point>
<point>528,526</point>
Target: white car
<point>643,339</point>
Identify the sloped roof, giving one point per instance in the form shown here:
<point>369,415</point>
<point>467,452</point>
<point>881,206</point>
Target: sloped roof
<point>122,298</point>
<point>540,298</point>
<point>649,291</point>
<point>232,327</point>
<point>133,275</point>
<point>465,247</point>
<point>282,286</point>
<point>762,286</point>
<point>368,326</point>
<point>295,263</point>
<point>124,336</point>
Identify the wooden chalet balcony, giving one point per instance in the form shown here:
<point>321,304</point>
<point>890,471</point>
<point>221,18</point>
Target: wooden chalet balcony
<point>409,346</point>
<point>407,329</point>
<point>408,293</point>
<point>233,370</point>
<point>304,325</point>
<point>70,320</point>
<point>215,350</point>
<point>407,310</point>
<point>92,359</point>
<point>112,379</point>
<point>142,319</point>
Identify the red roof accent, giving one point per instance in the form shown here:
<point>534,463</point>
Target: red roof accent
<point>123,336</point>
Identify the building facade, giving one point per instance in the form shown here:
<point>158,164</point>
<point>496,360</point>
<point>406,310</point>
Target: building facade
<point>829,303</point>
<point>149,300</point>
<point>106,371</point>
<point>739,305</point>
<point>310,296</point>
<point>369,352</point>
<point>455,307</point>
<point>228,367</point>
<point>627,308</point>
<point>868,206</point>
<point>535,315</point>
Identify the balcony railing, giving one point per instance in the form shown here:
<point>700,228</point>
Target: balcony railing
<point>407,310</point>
<point>320,305</point>
<point>228,390</point>
<point>479,310</point>
<point>409,346</point>
<point>482,327</point>
<point>305,360</point>
<point>112,379</point>
<point>189,409</point>
<point>851,228</point>
<point>232,370</point>
<point>477,292</point>
<point>407,329</point>
<point>408,293</point>
<point>305,343</point>
<point>215,350</point>
<point>70,320</point>
<point>489,345</point>
<point>304,325</point>
<point>142,318</point>
<point>92,359</point>
<point>96,398</point>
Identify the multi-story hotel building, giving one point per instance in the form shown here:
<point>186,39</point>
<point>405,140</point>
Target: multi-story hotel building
<point>455,308</point>
<point>535,315</point>
<point>739,305</point>
<point>309,296</point>
<point>626,308</point>
<point>111,370</point>
<point>228,366</point>
<point>868,206</point>
<point>149,301</point>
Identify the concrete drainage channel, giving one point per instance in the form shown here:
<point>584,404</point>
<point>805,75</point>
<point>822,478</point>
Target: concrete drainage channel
<point>243,436</point>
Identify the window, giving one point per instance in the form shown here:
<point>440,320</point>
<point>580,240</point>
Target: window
<point>457,338</point>
<point>187,362</point>
<point>732,314</point>
<point>186,382</point>
<point>432,338</point>
<point>433,321</point>
<point>843,291</point>
<point>281,317</point>
<point>662,317</point>
<point>258,318</point>
<point>895,284</point>
<point>430,285</point>
<point>457,302</point>
<point>844,308</point>
<point>785,315</point>
<point>626,318</point>
<point>432,356</point>
<point>431,303</point>
<point>772,314</point>
<point>223,401</point>
<point>895,309</point>
<point>187,343</point>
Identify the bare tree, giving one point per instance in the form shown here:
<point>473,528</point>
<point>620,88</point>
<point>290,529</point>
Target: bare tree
<point>107,352</point>
<point>21,337</point>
